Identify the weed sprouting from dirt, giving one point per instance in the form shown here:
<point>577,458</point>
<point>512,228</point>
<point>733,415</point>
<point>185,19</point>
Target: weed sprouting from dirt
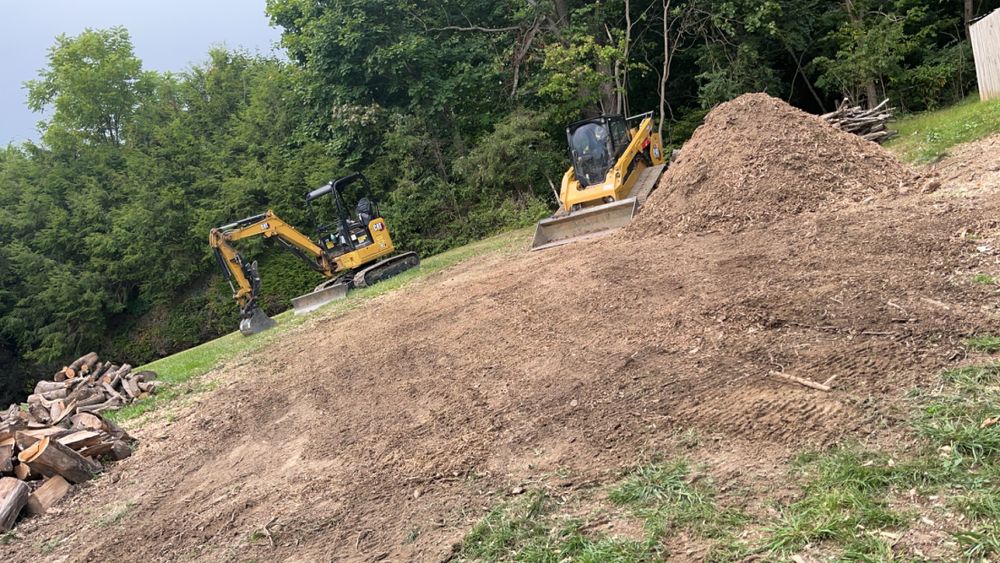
<point>411,536</point>
<point>984,279</point>
<point>49,546</point>
<point>529,530</point>
<point>984,343</point>
<point>117,514</point>
<point>980,545</point>
<point>8,537</point>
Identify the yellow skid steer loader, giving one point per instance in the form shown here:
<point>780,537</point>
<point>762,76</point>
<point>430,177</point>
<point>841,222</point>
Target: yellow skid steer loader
<point>614,168</point>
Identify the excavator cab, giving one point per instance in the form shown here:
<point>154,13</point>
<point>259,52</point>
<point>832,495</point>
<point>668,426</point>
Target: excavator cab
<point>340,227</point>
<point>595,145</point>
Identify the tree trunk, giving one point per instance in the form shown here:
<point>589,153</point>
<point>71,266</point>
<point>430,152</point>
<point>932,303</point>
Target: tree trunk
<point>13,496</point>
<point>969,13</point>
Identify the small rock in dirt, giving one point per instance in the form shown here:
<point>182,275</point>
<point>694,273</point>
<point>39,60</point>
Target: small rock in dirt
<point>416,493</point>
<point>517,490</point>
<point>573,403</point>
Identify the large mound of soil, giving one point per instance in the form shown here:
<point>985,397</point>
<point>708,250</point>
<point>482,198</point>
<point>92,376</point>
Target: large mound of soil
<point>756,159</point>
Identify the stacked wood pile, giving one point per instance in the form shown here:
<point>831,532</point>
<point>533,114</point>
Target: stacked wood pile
<point>60,438</point>
<point>869,124</point>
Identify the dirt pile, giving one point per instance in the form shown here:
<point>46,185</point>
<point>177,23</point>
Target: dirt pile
<point>756,159</point>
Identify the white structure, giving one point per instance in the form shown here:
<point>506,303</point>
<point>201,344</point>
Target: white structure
<point>985,35</point>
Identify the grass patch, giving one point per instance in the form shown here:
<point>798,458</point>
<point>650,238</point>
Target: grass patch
<point>525,530</point>
<point>49,546</point>
<point>178,370</point>
<point>927,136</point>
<point>8,537</point>
<point>985,343</point>
<point>984,279</point>
<point>665,496</point>
<point>117,513</point>
<point>843,503</point>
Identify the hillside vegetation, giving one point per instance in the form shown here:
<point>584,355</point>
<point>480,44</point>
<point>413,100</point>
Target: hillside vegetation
<point>455,110</point>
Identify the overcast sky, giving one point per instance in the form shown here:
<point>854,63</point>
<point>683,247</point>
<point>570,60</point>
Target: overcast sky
<point>167,35</point>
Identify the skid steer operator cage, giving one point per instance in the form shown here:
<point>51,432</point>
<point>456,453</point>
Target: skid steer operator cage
<point>595,146</point>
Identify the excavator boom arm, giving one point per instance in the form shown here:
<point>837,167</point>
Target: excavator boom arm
<point>242,276</point>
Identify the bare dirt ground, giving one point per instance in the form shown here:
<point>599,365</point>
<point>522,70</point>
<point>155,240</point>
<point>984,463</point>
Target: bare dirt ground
<point>387,432</point>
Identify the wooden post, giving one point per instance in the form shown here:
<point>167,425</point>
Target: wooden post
<point>13,496</point>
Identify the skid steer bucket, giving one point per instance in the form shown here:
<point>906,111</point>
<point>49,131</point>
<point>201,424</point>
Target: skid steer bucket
<point>584,224</point>
<point>330,290</point>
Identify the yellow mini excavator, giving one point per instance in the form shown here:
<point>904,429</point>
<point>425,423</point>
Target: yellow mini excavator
<point>352,249</point>
<point>614,167</point>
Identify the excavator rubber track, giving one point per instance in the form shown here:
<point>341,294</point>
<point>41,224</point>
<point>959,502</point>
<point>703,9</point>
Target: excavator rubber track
<point>385,269</point>
<point>599,220</point>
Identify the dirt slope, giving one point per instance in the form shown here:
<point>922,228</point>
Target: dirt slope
<point>422,408</point>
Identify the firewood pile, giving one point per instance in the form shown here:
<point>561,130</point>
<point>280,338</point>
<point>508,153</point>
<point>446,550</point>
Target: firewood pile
<point>60,439</point>
<point>869,124</point>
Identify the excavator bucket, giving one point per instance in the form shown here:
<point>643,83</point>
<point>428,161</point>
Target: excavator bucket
<point>330,290</point>
<point>584,224</point>
<point>258,321</point>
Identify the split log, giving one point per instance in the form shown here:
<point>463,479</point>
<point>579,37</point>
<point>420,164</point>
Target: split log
<point>97,450</point>
<point>131,387</point>
<point>81,439</point>
<point>109,404</point>
<point>68,410</point>
<point>51,491</point>
<point>56,410</point>
<point>39,414</point>
<point>46,386</point>
<point>87,421</point>
<point>54,394</point>
<point>23,472</point>
<point>95,399</point>
<point>13,496</point>
<point>34,398</point>
<point>146,375</point>
<point>120,450</point>
<point>82,365</point>
<point>51,458</point>
<point>27,438</point>
<point>60,375</point>
<point>7,459</point>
